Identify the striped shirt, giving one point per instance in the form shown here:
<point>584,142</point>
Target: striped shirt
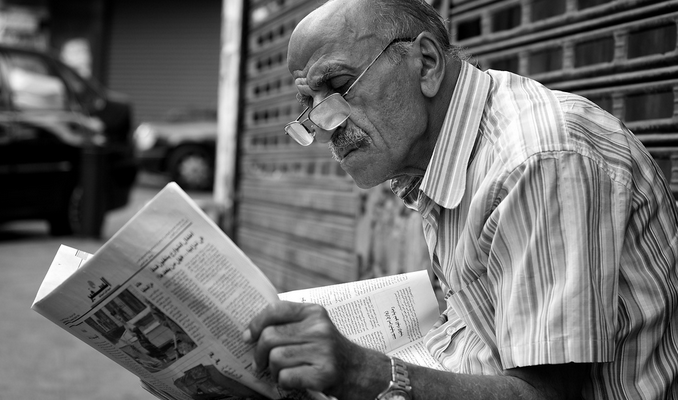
<point>555,237</point>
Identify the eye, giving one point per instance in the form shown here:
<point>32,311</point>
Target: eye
<point>340,84</point>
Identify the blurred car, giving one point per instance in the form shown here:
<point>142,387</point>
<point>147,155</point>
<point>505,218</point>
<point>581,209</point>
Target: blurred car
<point>49,118</point>
<point>182,147</point>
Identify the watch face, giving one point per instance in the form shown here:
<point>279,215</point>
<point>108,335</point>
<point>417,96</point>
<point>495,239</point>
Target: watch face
<point>396,395</point>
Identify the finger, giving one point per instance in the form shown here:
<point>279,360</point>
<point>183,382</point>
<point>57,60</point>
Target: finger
<point>314,355</point>
<point>315,327</point>
<point>283,312</point>
<point>273,337</point>
<point>304,377</point>
<point>441,320</point>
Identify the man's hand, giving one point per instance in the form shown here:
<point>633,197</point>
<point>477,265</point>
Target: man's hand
<point>303,349</point>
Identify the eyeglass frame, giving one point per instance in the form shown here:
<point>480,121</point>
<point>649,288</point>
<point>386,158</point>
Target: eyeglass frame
<point>312,132</point>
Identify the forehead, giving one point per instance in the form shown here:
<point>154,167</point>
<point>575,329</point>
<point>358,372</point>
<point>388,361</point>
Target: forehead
<point>328,39</point>
<point>328,61</point>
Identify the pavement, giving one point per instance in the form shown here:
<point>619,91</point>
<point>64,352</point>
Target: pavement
<point>38,359</point>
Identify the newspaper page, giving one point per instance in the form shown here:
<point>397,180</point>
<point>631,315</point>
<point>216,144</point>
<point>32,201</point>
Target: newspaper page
<point>168,298</point>
<point>391,314</point>
<point>169,295</point>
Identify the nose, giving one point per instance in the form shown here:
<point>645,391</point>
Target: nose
<point>323,135</point>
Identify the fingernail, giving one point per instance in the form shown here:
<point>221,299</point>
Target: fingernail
<point>247,335</point>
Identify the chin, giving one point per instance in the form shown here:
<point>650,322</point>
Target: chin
<point>364,170</point>
<point>364,182</point>
<point>364,185</point>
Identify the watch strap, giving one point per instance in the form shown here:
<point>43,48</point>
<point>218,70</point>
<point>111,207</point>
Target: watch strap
<point>400,380</point>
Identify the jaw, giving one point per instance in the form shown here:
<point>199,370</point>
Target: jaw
<point>369,167</point>
<point>365,167</point>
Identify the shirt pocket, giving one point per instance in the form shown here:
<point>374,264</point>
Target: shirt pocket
<point>477,350</point>
<point>442,340</point>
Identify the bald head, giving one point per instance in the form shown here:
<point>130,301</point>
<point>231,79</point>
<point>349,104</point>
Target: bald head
<point>385,60</point>
<point>336,22</point>
<point>355,21</point>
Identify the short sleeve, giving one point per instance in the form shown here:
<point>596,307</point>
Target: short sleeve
<point>554,245</point>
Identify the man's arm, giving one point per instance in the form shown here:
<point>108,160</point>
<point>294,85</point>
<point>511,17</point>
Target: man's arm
<point>303,349</point>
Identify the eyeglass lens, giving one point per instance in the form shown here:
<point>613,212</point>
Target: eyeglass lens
<point>299,133</point>
<point>327,115</point>
<point>330,113</point>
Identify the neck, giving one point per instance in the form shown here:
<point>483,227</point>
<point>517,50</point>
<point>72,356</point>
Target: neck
<point>439,106</point>
<point>441,102</point>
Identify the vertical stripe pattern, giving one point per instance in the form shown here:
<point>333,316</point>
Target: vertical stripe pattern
<point>559,245</point>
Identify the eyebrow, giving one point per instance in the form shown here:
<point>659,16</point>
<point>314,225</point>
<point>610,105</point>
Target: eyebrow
<point>325,76</point>
<point>325,73</point>
<point>304,99</point>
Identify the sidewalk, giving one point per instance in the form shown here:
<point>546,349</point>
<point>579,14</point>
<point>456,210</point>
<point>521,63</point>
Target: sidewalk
<point>39,360</point>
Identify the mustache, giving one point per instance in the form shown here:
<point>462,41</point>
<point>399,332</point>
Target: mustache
<point>349,137</point>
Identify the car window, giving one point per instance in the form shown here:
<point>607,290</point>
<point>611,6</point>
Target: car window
<point>82,91</point>
<point>33,84</point>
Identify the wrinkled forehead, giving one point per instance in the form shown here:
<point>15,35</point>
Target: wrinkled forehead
<point>329,35</point>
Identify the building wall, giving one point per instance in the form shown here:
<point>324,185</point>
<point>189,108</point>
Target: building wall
<point>24,23</point>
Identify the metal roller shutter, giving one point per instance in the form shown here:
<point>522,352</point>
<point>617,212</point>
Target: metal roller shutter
<point>165,54</point>
<point>621,54</point>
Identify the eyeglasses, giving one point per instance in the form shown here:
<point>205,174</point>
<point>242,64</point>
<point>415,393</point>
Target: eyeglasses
<point>331,112</point>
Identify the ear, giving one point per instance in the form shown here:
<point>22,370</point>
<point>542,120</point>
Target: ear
<point>432,60</point>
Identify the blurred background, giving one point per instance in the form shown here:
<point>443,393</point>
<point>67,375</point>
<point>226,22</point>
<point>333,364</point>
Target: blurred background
<point>102,102</point>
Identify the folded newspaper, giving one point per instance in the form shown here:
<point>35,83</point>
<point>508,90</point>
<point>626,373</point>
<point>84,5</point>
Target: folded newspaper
<point>169,295</point>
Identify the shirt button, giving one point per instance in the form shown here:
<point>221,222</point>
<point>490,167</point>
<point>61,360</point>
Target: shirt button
<point>449,331</point>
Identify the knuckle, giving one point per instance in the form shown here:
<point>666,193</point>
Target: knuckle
<point>287,378</point>
<point>325,329</point>
<point>267,336</point>
<point>273,310</point>
<point>279,354</point>
<point>316,309</point>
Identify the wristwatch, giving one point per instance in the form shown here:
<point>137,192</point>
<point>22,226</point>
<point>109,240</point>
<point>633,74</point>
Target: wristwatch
<point>399,388</point>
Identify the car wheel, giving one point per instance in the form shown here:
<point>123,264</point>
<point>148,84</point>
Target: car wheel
<point>69,219</point>
<point>192,167</point>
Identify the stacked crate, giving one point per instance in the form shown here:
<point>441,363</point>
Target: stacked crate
<point>621,54</point>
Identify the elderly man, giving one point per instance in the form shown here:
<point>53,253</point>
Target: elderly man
<point>549,226</point>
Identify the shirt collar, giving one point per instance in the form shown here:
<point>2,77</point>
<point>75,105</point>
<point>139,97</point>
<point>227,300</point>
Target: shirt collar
<point>445,178</point>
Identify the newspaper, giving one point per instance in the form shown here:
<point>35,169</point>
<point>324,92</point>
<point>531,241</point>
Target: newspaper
<point>169,296</point>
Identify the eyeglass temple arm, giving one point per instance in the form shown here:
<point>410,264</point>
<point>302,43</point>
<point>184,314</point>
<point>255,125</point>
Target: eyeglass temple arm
<point>375,60</point>
<point>302,113</point>
<point>363,73</point>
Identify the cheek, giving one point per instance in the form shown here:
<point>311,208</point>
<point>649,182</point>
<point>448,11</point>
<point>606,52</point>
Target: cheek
<point>402,99</point>
<point>402,118</point>
<point>393,113</point>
